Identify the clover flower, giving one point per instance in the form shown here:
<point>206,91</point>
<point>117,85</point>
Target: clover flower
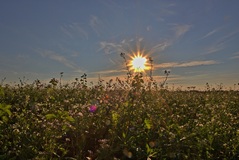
<point>93,108</point>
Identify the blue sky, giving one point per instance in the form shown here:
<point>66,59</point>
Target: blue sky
<point>196,40</point>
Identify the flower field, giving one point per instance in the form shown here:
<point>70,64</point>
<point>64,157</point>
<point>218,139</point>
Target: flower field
<point>116,120</point>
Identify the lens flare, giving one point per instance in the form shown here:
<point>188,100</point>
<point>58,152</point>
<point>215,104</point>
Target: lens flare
<point>138,63</point>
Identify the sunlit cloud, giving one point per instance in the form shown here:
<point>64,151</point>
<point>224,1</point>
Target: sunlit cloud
<point>197,63</point>
<point>127,41</point>
<point>113,71</point>
<point>185,64</point>
<point>131,45</point>
<point>59,58</point>
<point>118,47</point>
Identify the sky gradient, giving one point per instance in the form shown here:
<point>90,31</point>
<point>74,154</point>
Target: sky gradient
<point>198,41</point>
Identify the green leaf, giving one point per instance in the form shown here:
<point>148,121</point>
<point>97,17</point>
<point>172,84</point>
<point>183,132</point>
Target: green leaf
<point>124,135</point>
<point>115,118</point>
<point>4,118</point>
<point>148,149</point>
<point>50,116</point>
<point>5,109</point>
<point>8,112</point>
<point>70,118</point>
<point>147,123</point>
<point>1,91</point>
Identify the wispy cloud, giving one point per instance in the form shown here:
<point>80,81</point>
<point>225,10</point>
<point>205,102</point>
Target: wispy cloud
<point>125,44</point>
<point>74,29</point>
<point>148,28</point>
<point>185,64</point>
<point>214,48</point>
<point>59,58</point>
<point>229,36</point>
<point>220,43</point>
<point>167,12</point>
<point>236,56</point>
<point>160,46</point>
<point>140,39</point>
<point>180,30</point>
<point>110,47</point>
<point>113,71</point>
<point>96,24</point>
<point>70,51</point>
<point>112,61</point>
<point>211,33</point>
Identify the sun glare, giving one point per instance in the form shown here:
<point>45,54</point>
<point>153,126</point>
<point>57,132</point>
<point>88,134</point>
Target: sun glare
<point>138,63</point>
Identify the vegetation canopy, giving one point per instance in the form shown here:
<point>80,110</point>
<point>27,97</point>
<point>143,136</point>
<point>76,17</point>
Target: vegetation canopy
<point>119,119</point>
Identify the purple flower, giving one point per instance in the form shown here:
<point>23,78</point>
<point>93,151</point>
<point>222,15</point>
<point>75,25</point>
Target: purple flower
<point>93,108</point>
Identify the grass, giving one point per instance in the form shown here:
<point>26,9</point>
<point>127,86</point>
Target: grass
<point>118,120</point>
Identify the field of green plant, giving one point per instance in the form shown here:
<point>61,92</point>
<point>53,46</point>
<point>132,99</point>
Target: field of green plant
<point>116,120</point>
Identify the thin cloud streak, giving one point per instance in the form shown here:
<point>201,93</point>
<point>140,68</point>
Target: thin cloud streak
<point>180,30</point>
<point>96,24</point>
<point>220,44</point>
<point>214,48</point>
<point>160,46</point>
<point>61,59</point>
<point>211,33</point>
<point>109,71</point>
<point>74,29</point>
<point>109,47</point>
<point>185,64</point>
<point>236,56</point>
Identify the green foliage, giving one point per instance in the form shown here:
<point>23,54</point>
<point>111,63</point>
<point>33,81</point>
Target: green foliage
<point>132,121</point>
<point>5,112</point>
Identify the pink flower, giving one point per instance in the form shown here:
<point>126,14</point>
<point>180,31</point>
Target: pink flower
<point>93,108</point>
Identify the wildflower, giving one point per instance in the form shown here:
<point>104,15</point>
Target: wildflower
<point>93,108</point>
<point>152,144</point>
<point>107,122</point>
<point>80,114</point>
<point>127,153</point>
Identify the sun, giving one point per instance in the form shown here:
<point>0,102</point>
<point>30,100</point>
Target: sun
<point>138,63</point>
